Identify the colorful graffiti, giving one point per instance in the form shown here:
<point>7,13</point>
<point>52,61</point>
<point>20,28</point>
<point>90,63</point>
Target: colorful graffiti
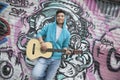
<point>106,50</point>
<point>4,30</point>
<point>2,6</point>
<point>94,31</point>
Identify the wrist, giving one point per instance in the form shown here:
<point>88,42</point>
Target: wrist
<point>41,42</point>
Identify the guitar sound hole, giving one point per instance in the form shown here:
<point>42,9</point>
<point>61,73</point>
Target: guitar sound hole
<point>33,49</point>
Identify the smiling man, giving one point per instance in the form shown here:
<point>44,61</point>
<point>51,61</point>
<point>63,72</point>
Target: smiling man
<point>57,34</point>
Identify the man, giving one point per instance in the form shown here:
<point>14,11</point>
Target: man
<point>56,33</point>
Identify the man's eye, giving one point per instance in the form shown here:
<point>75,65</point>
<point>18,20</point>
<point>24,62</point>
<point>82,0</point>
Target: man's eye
<point>60,16</point>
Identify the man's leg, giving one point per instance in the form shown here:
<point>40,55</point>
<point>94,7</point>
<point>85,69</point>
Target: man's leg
<point>52,69</point>
<point>39,69</point>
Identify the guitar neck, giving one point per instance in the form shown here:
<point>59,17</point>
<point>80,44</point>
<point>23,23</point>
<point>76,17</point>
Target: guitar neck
<point>62,50</point>
<point>55,50</point>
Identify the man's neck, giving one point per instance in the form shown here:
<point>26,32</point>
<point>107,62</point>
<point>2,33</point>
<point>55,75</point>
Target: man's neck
<point>60,25</point>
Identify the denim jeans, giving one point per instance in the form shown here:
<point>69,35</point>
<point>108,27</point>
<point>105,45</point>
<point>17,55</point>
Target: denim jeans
<point>45,69</point>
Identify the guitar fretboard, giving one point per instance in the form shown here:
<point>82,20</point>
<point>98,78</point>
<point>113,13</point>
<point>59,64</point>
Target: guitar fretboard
<point>55,50</point>
<point>62,50</point>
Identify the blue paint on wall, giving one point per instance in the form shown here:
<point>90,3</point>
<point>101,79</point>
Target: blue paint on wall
<point>3,40</point>
<point>2,6</point>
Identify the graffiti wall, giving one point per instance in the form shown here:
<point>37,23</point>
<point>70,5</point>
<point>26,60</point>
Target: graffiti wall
<point>94,27</point>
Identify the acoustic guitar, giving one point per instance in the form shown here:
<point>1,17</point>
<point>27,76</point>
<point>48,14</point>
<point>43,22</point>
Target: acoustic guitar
<point>33,50</point>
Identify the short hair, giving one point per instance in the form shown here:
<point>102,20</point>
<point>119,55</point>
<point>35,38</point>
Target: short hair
<point>60,11</point>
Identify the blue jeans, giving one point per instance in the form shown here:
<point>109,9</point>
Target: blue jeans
<point>45,69</point>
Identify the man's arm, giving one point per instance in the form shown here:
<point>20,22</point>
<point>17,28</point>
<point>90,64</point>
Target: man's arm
<point>41,40</point>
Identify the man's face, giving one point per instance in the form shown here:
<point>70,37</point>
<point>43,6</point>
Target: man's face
<point>60,18</point>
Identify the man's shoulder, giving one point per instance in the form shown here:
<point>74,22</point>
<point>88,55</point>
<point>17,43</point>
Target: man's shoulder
<point>50,24</point>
